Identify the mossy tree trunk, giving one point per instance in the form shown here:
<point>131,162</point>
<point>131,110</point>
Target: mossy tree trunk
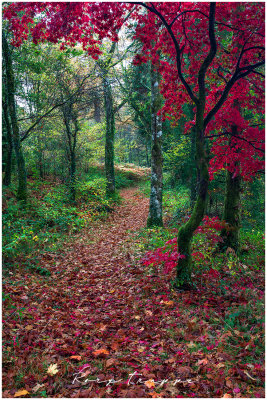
<point>97,105</point>
<point>10,89</point>
<point>185,234</point>
<point>9,147</point>
<point>72,128</point>
<point>194,177</point>
<point>155,204</point>
<point>110,133</point>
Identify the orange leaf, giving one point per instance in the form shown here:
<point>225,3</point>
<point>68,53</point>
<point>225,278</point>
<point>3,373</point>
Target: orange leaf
<point>227,396</point>
<point>76,358</point>
<point>155,394</point>
<point>100,352</point>
<point>168,303</point>
<point>22,392</point>
<point>203,362</point>
<point>150,383</point>
<point>115,346</point>
<point>29,327</point>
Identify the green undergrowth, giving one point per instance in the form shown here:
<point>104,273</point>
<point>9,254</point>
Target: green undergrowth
<point>230,286</point>
<point>49,218</point>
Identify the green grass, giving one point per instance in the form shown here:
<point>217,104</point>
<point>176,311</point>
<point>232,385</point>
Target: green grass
<point>48,219</point>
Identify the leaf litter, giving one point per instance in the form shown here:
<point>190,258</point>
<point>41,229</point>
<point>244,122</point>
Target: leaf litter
<point>99,319</point>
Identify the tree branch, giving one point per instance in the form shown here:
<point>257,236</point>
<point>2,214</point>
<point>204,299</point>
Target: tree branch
<point>208,60</point>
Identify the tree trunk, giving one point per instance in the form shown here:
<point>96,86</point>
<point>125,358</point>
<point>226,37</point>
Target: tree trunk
<point>155,205</point>
<point>8,166</point>
<point>185,234</point>
<point>147,157</point>
<point>97,115</point>
<point>193,179</point>
<point>40,157</point>
<point>69,114</point>
<point>110,132</point>
<point>10,86</point>
<point>72,176</point>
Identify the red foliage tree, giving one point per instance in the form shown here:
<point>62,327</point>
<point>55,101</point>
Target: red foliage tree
<point>209,49</point>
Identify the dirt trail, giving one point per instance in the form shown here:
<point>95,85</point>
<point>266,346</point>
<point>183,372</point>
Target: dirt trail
<point>110,239</point>
<point>82,306</point>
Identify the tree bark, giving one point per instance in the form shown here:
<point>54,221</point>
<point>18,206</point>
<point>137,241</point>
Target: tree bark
<point>97,115</point>
<point>185,234</point>
<point>9,152</point>
<point>155,205</point>
<point>71,132</point>
<point>110,132</point>
<point>193,179</point>
<point>10,86</point>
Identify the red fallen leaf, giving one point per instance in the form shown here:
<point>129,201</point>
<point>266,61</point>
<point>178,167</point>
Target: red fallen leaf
<point>101,352</point>
<point>76,358</point>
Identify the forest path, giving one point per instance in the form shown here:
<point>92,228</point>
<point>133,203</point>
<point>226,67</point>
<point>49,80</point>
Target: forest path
<point>104,315</point>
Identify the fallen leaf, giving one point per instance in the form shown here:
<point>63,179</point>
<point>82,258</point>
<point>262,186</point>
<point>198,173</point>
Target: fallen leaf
<point>168,303</point>
<point>226,396</point>
<point>52,369</point>
<point>37,387</point>
<point>115,346</point>
<point>202,362</point>
<point>184,372</point>
<point>100,352</point>
<point>141,349</point>
<point>150,383</point>
<point>76,358</point>
<point>111,361</point>
<point>155,394</point>
<point>170,360</point>
<point>29,327</point>
<point>22,392</point>
<point>102,327</point>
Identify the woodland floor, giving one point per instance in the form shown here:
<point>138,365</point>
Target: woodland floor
<point>101,316</point>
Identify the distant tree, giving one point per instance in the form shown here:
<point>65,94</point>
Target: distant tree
<point>10,113</point>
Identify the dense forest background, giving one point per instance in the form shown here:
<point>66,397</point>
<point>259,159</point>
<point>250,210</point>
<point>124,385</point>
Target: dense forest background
<point>61,114</point>
<point>101,177</point>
